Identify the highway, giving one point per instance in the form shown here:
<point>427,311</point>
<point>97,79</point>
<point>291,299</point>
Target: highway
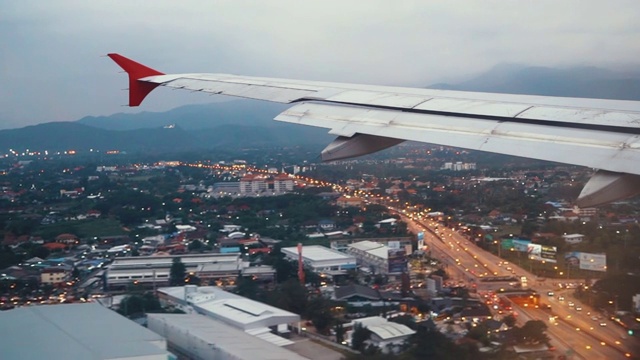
<point>573,332</point>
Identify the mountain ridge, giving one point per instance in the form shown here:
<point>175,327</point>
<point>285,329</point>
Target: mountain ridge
<point>241,123</point>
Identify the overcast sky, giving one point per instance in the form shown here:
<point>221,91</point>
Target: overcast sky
<point>51,67</point>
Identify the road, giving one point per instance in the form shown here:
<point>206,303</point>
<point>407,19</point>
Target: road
<point>573,332</point>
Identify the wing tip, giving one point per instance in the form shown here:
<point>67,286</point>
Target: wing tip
<point>138,90</point>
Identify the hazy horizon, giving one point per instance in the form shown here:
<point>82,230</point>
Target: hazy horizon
<point>52,69</point>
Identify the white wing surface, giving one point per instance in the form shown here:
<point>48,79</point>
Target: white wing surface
<point>596,133</point>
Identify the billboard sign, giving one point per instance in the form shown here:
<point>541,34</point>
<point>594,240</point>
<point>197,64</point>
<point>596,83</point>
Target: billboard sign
<point>397,261</point>
<point>542,252</point>
<point>549,253</point>
<point>521,245</point>
<point>587,261</point>
<point>420,240</point>
<point>534,250</point>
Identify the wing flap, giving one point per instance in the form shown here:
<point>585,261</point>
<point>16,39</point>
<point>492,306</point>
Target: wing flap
<point>582,116</point>
<point>373,98</point>
<point>592,148</point>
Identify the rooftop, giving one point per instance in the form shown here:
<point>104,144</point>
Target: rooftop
<point>391,330</point>
<point>383,328</point>
<point>318,253</point>
<point>134,261</point>
<point>231,308</point>
<point>216,334</point>
<point>75,331</point>
<point>373,248</point>
<point>345,292</point>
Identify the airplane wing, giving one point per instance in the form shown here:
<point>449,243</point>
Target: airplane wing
<point>596,133</point>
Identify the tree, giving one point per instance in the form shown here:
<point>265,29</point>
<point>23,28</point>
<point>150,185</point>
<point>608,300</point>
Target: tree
<point>192,279</point>
<point>7,257</point>
<point>139,304</point>
<point>290,296</point>
<point>41,252</point>
<point>319,312</point>
<point>178,272</point>
<point>509,320</point>
<point>195,245</point>
<point>528,228</point>
<point>479,332</point>
<point>247,287</point>
<point>339,329</point>
<point>368,226</point>
<point>440,272</point>
<point>360,335</point>
<point>75,273</point>
<point>532,332</point>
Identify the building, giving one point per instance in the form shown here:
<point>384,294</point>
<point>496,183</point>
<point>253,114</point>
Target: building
<point>386,335</point>
<point>349,201</point>
<point>154,270</point>
<point>327,225</point>
<point>77,331</point>
<point>234,310</point>
<point>360,295</point>
<point>431,287</point>
<point>390,222</point>
<point>253,184</point>
<point>573,238</point>
<point>199,337</point>
<point>282,183</point>
<point>67,239</point>
<point>636,303</point>
<point>321,259</point>
<point>225,188</point>
<point>356,294</point>
<point>403,242</point>
<point>53,276</point>
<point>370,255</point>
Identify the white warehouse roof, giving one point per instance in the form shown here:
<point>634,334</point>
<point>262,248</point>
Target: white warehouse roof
<point>317,253</point>
<point>207,338</point>
<point>230,308</point>
<point>76,331</point>
<point>166,261</point>
<point>391,330</point>
<point>383,328</point>
<point>373,248</point>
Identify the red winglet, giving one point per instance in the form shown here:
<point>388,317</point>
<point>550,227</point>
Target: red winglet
<point>138,90</point>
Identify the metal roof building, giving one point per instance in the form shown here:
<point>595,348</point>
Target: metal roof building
<point>200,337</point>
<point>232,309</point>
<point>320,258</point>
<point>385,334</point>
<point>76,331</point>
<point>371,255</point>
<point>156,270</point>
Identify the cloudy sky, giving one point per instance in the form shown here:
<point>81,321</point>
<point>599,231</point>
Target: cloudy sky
<point>51,67</point>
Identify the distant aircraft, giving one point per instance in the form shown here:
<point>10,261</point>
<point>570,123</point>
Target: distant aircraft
<point>596,133</point>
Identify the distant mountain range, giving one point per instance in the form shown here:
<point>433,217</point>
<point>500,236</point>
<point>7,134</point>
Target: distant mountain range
<point>248,123</point>
<point>586,82</point>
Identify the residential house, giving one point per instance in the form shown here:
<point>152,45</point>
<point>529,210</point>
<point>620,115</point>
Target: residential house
<point>573,238</point>
<point>326,225</point>
<point>53,276</point>
<point>67,239</point>
<point>349,201</point>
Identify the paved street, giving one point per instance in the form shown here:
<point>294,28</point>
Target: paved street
<point>574,333</point>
